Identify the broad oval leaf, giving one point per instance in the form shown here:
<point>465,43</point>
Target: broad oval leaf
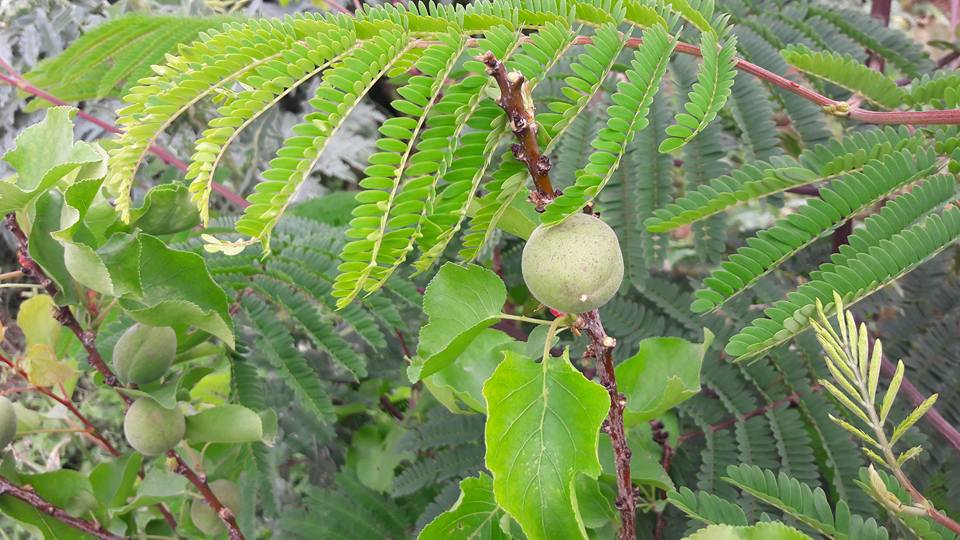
<point>474,515</point>
<point>460,301</point>
<point>542,431</point>
<point>674,363</point>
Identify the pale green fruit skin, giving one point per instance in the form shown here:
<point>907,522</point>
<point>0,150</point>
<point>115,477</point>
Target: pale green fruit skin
<point>203,515</point>
<point>143,353</point>
<point>152,430</point>
<point>8,422</point>
<point>574,266</point>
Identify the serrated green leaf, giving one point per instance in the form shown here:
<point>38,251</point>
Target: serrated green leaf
<point>461,382</point>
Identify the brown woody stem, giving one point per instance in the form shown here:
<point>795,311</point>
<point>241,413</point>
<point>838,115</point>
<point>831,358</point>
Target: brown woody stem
<point>518,106</point>
<point>601,348</point>
<point>516,101</point>
<point>29,496</point>
<point>65,316</point>
<point>200,482</point>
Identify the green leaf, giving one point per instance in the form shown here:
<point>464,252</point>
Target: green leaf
<point>374,454</point>
<point>460,301</point>
<point>673,363</point>
<point>474,515</point>
<point>761,531</point>
<point>225,424</point>
<point>45,250</point>
<point>113,481</point>
<point>462,381</point>
<point>35,319</point>
<point>595,501</point>
<point>178,290</point>
<point>44,154</point>
<point>51,528</point>
<point>166,209</point>
<point>542,431</point>
<point>159,485</point>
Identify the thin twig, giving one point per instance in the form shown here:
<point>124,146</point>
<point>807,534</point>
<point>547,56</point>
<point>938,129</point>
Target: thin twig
<point>517,103</point>
<point>29,496</point>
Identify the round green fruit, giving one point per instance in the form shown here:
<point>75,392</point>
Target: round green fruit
<point>143,353</point>
<point>203,515</point>
<point>574,266</point>
<point>8,422</point>
<point>151,429</point>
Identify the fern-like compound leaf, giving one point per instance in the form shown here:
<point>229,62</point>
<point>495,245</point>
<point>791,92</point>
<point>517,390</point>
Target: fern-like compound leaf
<point>269,83</point>
<point>847,72</point>
<point>276,345</point>
<point>463,158</point>
<point>861,275</point>
<point>808,506</point>
<point>199,71</point>
<point>627,116</point>
<point>342,89</point>
<point>709,93</point>
<point>842,198</point>
<point>397,183</point>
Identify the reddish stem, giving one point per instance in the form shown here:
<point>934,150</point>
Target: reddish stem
<point>29,496</point>
<point>200,482</point>
<point>601,348</point>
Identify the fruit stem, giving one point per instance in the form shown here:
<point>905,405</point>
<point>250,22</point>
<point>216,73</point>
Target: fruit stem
<point>530,320</point>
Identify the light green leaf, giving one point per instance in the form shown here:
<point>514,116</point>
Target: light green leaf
<point>159,485</point>
<point>375,453</point>
<point>542,431</point>
<point>36,320</point>
<point>460,301</point>
<point>225,424</point>
<point>462,381</point>
<point>595,500</point>
<point>166,209</point>
<point>45,250</point>
<point>178,290</point>
<point>44,154</point>
<point>474,515</point>
<point>113,481</point>
<point>673,363</point>
<point>761,531</point>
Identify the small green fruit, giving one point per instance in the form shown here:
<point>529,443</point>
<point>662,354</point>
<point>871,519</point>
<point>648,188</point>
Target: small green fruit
<point>151,429</point>
<point>143,353</point>
<point>203,515</point>
<point>574,266</point>
<point>8,422</point>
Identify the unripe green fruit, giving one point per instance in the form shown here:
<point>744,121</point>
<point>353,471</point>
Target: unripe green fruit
<point>151,429</point>
<point>144,353</point>
<point>203,515</point>
<point>574,266</point>
<point>8,422</point>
